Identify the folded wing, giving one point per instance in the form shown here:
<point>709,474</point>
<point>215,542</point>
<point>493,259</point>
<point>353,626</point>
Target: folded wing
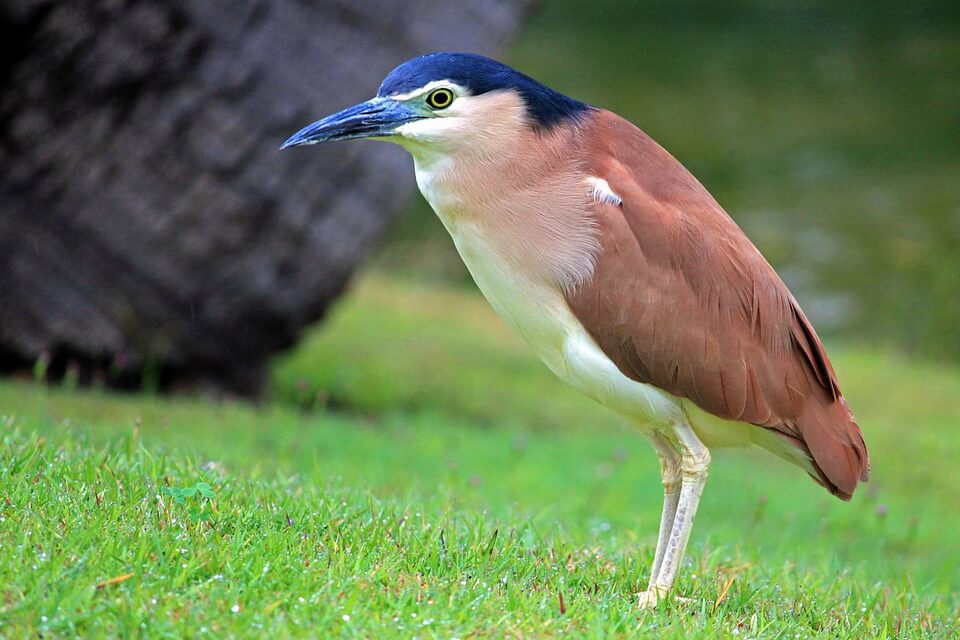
<point>681,299</point>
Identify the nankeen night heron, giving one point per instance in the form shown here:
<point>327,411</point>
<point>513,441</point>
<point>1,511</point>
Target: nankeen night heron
<point>620,270</point>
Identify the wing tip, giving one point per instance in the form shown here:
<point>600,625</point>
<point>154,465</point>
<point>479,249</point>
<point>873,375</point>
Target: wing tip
<point>840,455</point>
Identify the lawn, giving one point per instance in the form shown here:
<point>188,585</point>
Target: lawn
<point>417,474</point>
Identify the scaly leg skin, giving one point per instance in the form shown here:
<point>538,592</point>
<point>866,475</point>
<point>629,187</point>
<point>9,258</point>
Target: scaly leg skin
<point>694,467</point>
<point>670,475</point>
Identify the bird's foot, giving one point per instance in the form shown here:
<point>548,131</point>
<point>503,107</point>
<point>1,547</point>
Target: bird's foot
<point>651,597</point>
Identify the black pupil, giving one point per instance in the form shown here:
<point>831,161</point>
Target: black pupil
<point>440,98</point>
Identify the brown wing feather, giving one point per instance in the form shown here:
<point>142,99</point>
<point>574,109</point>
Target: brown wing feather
<point>681,299</point>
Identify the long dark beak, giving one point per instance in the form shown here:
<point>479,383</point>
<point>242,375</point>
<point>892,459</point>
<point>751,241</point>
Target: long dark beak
<point>374,118</point>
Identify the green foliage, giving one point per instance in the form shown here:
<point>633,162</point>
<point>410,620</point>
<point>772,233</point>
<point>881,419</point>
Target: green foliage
<point>449,517</point>
<point>198,497</point>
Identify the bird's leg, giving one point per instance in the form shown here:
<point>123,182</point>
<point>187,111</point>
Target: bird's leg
<point>694,466</point>
<point>670,475</point>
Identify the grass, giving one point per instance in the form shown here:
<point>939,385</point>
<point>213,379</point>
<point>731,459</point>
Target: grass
<point>417,474</point>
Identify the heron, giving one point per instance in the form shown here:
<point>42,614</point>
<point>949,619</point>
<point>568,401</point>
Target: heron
<point>622,273</point>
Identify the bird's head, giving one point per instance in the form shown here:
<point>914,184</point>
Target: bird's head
<point>444,102</point>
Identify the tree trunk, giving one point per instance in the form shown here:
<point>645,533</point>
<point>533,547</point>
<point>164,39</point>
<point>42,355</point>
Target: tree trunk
<point>150,231</point>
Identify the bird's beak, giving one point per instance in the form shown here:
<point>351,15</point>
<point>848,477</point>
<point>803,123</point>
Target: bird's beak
<point>375,118</point>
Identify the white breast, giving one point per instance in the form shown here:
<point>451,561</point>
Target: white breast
<point>539,311</point>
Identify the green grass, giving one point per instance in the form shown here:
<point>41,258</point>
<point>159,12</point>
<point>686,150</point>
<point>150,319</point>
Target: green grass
<point>419,475</point>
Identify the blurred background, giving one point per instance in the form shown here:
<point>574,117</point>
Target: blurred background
<point>153,237</point>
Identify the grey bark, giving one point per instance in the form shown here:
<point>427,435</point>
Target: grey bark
<point>148,222</point>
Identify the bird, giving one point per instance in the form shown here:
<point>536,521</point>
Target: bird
<point>620,270</point>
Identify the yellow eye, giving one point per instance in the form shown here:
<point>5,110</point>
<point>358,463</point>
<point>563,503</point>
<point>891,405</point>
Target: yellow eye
<point>440,98</point>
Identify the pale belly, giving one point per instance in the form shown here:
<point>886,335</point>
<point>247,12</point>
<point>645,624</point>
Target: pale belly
<point>539,312</point>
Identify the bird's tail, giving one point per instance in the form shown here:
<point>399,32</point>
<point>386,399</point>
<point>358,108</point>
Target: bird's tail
<point>837,451</point>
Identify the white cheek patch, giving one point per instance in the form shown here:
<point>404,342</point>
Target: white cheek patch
<point>426,129</point>
<point>448,126</point>
<point>602,193</point>
<point>473,125</point>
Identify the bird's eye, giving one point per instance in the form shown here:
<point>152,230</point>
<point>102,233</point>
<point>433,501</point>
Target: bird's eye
<point>440,98</point>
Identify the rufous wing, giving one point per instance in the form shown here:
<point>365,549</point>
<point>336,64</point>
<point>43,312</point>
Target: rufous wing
<point>681,299</point>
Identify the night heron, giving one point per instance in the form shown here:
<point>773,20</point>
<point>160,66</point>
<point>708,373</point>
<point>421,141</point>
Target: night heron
<point>620,270</point>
